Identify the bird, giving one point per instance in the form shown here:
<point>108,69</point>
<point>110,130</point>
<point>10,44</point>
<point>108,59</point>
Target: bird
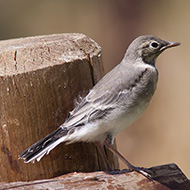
<point>113,104</point>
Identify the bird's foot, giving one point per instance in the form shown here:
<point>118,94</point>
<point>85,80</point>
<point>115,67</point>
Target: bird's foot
<point>144,171</point>
<point>114,171</point>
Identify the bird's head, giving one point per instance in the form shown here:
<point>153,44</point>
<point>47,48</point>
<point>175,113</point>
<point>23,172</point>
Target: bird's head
<point>148,48</point>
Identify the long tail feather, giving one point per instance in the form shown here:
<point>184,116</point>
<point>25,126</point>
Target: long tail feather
<point>44,146</point>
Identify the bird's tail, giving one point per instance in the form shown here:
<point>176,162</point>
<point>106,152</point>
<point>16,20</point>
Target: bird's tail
<point>44,146</point>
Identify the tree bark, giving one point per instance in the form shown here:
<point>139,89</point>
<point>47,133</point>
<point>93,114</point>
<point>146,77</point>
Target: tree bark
<point>40,77</point>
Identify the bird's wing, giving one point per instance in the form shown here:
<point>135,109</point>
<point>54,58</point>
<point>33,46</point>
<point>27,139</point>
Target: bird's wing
<point>104,97</point>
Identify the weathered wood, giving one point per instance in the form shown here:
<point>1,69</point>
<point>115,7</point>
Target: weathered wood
<point>39,79</point>
<point>166,177</point>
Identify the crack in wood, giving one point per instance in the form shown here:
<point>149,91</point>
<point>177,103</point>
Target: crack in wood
<point>15,59</point>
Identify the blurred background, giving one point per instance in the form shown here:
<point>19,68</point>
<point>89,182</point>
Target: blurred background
<point>162,134</point>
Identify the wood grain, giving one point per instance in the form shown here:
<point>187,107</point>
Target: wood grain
<point>40,77</point>
<point>166,177</point>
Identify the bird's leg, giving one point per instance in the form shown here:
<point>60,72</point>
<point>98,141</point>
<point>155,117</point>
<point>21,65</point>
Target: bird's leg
<point>141,170</point>
<point>101,149</point>
<point>113,149</point>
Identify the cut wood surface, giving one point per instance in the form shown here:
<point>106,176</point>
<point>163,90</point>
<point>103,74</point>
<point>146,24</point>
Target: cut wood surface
<point>40,77</point>
<point>166,177</point>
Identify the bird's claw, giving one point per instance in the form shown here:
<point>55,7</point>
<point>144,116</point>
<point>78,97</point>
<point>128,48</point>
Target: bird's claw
<point>144,171</point>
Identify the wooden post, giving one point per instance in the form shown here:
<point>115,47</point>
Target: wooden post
<point>166,177</point>
<point>39,79</point>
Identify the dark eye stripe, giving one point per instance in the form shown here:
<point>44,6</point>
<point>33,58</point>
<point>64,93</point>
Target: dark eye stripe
<point>145,46</point>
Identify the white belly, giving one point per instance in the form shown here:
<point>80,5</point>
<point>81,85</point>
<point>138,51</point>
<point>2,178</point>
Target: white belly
<point>98,131</point>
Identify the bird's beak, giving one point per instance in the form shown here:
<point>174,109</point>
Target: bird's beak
<point>169,45</point>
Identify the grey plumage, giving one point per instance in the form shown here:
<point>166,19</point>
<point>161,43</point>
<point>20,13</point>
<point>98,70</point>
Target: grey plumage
<point>115,102</point>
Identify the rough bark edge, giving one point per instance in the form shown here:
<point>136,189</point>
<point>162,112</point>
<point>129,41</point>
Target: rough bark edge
<point>165,177</point>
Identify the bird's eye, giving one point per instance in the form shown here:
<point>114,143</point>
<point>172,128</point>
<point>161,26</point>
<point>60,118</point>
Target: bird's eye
<point>154,45</point>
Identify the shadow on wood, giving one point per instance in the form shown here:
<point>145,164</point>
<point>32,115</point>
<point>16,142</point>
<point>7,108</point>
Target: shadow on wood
<point>40,77</point>
<point>166,177</point>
